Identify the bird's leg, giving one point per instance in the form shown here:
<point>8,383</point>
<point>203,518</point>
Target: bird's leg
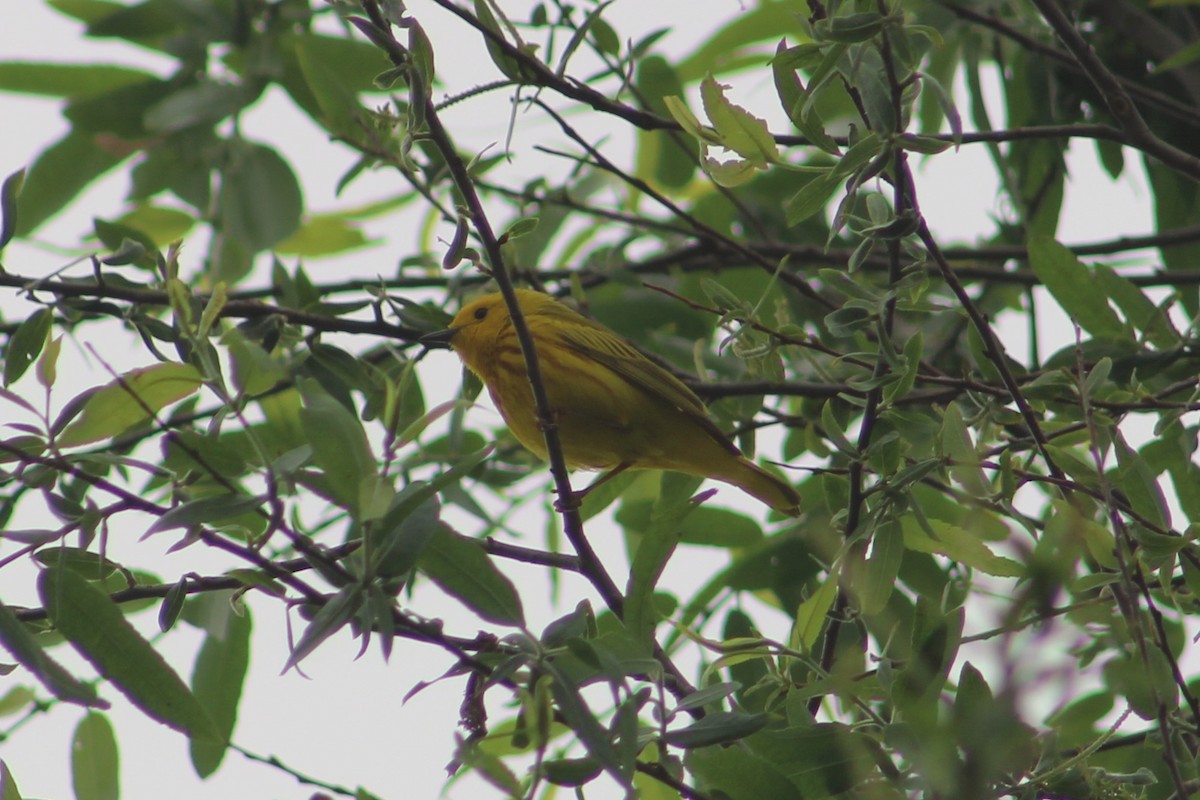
<point>577,497</point>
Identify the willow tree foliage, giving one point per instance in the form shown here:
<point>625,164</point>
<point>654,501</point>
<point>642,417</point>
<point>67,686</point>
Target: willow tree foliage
<point>990,590</point>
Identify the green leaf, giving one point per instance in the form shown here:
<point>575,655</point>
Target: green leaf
<point>1128,677</point>
<point>1072,285</point>
<point>24,647</point>
<point>119,405</point>
<point>204,103</point>
<point>462,568</point>
<point>571,771</point>
<point>8,784</point>
<point>400,536</point>
<point>26,344</point>
<point>959,545</point>
<point>61,172</point>
<point>509,66</point>
<point>16,700</point>
<point>206,510</point>
<point>584,723</point>
<point>217,681</point>
<point>850,28</point>
<point>659,155</point>
<point>709,694</point>
<point>159,224</point>
<point>793,97</point>
<point>254,371</point>
<point>759,23</point>
<point>340,447</point>
<point>339,110</point>
<point>86,11</point>
<point>740,131</point>
<point>965,465</point>
<point>658,542</point>
<point>119,112</point>
<point>95,765</point>
<point>812,198</point>
<point>1181,57</point>
<point>1138,482</point>
<point>739,774</point>
<point>1112,157</point>
<point>329,619</point>
<point>720,527</point>
<point>323,235</point>
<point>9,192</point>
<point>260,201</point>
<point>66,80</point>
<point>92,566</point>
<point>720,727</point>
<point>883,565</point>
<point>810,617</point>
<point>97,629</point>
<point>813,195</point>
<point>141,21</point>
<point>1139,309</point>
<point>689,122</point>
<point>47,367</point>
<point>822,759</point>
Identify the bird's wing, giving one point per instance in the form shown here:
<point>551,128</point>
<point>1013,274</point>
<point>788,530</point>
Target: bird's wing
<point>596,342</point>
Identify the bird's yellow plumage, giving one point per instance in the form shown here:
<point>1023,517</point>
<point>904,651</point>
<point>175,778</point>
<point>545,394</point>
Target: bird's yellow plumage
<point>614,407</point>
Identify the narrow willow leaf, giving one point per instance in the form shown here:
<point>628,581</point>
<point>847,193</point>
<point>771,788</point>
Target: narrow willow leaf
<point>958,447</point>
<point>463,569</point>
<point>709,694</point>
<point>720,727</point>
<point>658,542</point>
<point>26,344</point>
<point>882,567</point>
<point>583,722</point>
<point>511,68</point>
<point>95,764</point>
<point>24,647</point>
<point>339,443</point>
<point>959,545</point>
<point>205,510</point>
<point>810,617</point>
<point>337,611</point>
<point>95,627</point>
<point>47,366</point>
<point>1139,309</point>
<point>218,677</point>
<point>8,206</point>
<point>738,772</point>
<point>1071,284</point>
<point>571,771</point>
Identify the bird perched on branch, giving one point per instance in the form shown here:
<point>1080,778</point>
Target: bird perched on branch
<point>615,409</point>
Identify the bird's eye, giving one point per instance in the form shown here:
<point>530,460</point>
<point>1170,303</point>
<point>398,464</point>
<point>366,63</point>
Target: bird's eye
<point>480,313</point>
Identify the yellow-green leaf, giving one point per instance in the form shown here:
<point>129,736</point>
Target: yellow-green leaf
<point>119,405</point>
<point>740,131</point>
<point>810,617</point>
<point>958,545</point>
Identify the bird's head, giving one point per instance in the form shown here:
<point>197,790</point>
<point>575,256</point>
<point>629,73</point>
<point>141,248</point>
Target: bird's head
<point>480,324</point>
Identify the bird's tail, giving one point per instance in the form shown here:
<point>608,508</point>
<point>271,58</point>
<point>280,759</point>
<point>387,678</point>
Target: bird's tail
<point>757,482</point>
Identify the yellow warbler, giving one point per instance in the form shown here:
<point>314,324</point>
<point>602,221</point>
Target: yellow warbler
<point>615,409</point>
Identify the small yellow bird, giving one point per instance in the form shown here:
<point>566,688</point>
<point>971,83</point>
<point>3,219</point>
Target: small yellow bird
<point>615,408</point>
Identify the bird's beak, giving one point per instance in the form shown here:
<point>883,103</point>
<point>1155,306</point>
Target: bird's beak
<point>439,339</point>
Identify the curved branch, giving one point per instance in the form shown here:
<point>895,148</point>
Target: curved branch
<point>1115,96</point>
